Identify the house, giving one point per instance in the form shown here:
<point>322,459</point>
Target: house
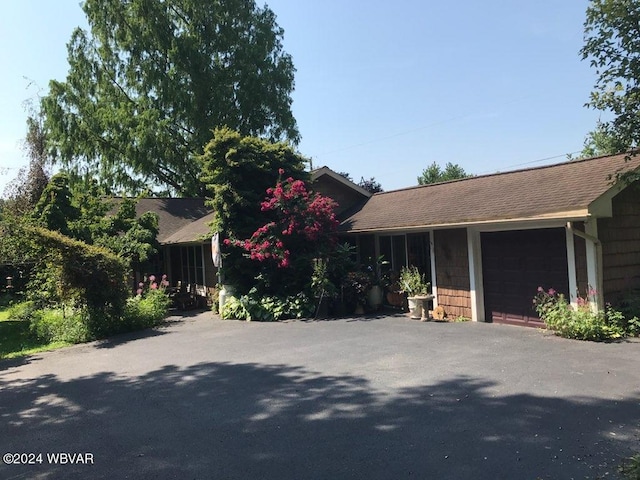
<point>488,242</point>
<point>185,235</point>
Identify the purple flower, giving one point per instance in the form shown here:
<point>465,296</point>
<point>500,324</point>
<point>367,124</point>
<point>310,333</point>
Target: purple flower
<point>552,292</point>
<point>152,278</point>
<point>139,291</point>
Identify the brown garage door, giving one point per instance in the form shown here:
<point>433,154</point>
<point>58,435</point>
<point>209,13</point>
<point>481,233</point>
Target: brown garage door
<point>514,265</point>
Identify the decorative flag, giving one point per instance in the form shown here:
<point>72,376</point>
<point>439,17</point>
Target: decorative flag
<point>215,250</point>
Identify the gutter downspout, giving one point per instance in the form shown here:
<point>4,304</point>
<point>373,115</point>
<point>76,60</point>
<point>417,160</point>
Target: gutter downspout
<point>598,246</point>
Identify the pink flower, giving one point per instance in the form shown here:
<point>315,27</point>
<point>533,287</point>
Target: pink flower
<point>552,292</point>
<point>154,286</point>
<point>540,289</point>
<point>281,171</point>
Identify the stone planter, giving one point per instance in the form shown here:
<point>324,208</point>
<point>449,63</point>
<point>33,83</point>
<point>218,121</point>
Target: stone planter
<point>419,307</point>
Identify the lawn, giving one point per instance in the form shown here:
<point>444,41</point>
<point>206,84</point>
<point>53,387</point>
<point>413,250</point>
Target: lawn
<point>15,340</point>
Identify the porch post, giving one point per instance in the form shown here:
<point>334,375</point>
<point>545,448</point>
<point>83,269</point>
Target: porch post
<point>571,267</point>
<point>474,249</point>
<point>432,259</point>
<point>594,274</point>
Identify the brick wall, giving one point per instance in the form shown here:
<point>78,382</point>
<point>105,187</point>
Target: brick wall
<point>452,272</point>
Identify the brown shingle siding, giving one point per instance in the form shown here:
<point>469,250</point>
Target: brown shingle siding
<point>621,245</point>
<point>452,272</point>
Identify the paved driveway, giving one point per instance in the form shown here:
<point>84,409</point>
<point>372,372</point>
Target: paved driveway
<point>382,398</point>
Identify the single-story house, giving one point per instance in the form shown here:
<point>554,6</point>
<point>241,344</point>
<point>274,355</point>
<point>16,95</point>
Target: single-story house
<point>184,232</point>
<point>486,243</point>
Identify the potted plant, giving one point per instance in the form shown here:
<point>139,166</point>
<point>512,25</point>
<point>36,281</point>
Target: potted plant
<point>375,295</point>
<point>415,285</point>
<point>355,288</point>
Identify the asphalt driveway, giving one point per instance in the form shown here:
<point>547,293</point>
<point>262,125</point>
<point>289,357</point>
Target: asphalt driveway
<point>376,398</point>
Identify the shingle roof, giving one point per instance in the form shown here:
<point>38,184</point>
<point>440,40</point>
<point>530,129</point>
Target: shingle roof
<point>195,231</point>
<point>521,194</point>
<point>175,214</point>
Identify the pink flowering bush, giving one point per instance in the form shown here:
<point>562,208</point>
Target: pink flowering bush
<point>301,226</point>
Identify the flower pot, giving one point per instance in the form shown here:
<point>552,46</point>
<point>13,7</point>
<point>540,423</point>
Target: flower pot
<point>415,307</point>
<point>419,307</point>
<point>375,297</point>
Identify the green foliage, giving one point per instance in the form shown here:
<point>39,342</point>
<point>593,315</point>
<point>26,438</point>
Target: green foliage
<point>412,282</point>
<point>86,276</point>
<point>150,80</point>
<point>581,323</point>
<point>434,174</point>
<point>145,311</point>
<point>84,213</point>
<point>630,468</point>
<point>629,306</point>
<point>56,325</point>
<point>22,311</point>
<point>602,141</point>
<point>612,46</point>
<point>254,307</point>
<point>54,211</point>
<point>237,171</point>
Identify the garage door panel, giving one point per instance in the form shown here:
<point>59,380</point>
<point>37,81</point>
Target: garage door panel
<point>514,264</point>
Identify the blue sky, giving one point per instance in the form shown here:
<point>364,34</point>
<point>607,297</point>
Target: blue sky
<point>383,89</point>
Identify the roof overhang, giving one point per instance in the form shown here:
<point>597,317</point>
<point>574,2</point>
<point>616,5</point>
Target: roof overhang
<point>552,220</point>
<point>315,174</point>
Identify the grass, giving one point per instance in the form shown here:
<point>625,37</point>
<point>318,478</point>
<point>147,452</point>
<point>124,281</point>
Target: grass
<point>15,340</point>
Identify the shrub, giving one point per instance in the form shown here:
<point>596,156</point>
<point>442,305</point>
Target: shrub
<point>56,325</point>
<point>267,308</point>
<point>144,311</point>
<point>581,323</point>
<point>22,311</point>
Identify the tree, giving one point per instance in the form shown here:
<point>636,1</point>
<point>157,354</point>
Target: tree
<point>237,171</point>
<point>612,44</point>
<point>150,80</point>
<point>85,214</point>
<point>434,174</point>
<point>370,185</point>
<point>602,141</point>
<point>22,194</point>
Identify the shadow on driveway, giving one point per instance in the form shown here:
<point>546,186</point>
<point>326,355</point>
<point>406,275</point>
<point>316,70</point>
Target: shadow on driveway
<point>245,421</point>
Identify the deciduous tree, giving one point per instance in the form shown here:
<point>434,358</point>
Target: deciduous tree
<point>434,174</point>
<point>612,46</point>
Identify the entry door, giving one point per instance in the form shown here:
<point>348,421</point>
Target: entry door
<point>514,265</point>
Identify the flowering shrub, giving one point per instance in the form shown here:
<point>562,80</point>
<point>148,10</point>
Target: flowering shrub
<point>303,222</point>
<point>301,226</point>
<point>150,283</point>
<point>582,323</point>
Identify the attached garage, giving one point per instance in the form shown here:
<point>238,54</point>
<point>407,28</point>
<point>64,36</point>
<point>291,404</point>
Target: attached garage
<point>514,265</point>
<point>497,238</point>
